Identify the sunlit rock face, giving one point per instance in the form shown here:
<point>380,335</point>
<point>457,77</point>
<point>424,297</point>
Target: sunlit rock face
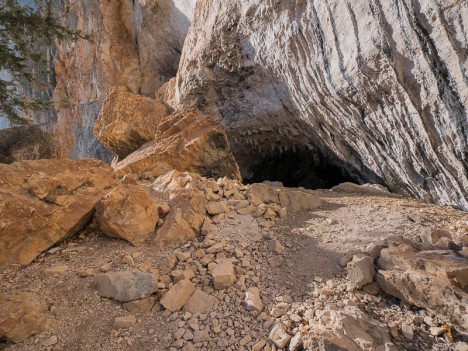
<point>134,43</point>
<point>378,86</point>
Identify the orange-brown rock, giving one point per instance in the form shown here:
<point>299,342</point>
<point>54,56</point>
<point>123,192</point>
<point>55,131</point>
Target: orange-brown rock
<point>185,219</point>
<point>45,201</point>
<point>186,141</point>
<point>128,212</point>
<point>127,121</point>
<point>21,316</point>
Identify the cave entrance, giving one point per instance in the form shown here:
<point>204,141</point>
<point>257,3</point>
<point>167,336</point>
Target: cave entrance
<point>303,168</point>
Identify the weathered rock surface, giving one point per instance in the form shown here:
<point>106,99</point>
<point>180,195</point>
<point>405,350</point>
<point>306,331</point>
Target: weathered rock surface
<point>125,286</point>
<point>184,221</point>
<point>200,302</point>
<point>433,280</point>
<point>379,88</point>
<point>347,329</point>
<point>42,202</point>
<point>128,212</point>
<point>223,274</point>
<point>360,271</point>
<point>178,295</point>
<point>127,121</point>
<point>186,141</point>
<point>21,316</point>
<point>135,44</point>
<point>26,143</point>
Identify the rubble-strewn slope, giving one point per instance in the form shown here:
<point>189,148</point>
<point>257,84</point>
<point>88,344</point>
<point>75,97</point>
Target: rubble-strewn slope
<point>381,85</point>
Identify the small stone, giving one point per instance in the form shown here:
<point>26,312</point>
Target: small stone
<point>245,340</point>
<point>436,331</point>
<point>200,302</point>
<point>279,310</point>
<point>279,336</point>
<point>215,208</point>
<point>296,343</point>
<point>50,341</point>
<point>374,250</point>
<point>140,306</point>
<point>223,274</point>
<point>200,336</point>
<point>86,273</point>
<point>125,286</point>
<point>105,268</point>
<point>125,322</point>
<point>259,345</point>
<point>360,271</point>
<point>57,270</point>
<point>178,295</point>
<point>127,259</point>
<point>275,246</point>
<point>407,331</point>
<point>253,301</point>
<point>372,288</point>
<point>432,235</point>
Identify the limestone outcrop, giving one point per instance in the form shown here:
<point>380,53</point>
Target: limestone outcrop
<point>127,121</point>
<point>26,143</point>
<point>378,87</point>
<point>186,141</point>
<point>43,202</point>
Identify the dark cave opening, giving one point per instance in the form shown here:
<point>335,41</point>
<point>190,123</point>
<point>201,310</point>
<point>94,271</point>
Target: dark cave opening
<point>300,168</point>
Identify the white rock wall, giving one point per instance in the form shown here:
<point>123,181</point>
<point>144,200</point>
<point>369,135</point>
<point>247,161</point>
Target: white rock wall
<point>382,85</point>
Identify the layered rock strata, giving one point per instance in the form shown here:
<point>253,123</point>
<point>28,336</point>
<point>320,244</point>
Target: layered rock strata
<point>378,87</point>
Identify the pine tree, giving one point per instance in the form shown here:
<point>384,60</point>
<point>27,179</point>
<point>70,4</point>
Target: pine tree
<point>26,31</point>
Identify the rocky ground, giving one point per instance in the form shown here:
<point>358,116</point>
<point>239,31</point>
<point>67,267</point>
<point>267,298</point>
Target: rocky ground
<point>285,290</point>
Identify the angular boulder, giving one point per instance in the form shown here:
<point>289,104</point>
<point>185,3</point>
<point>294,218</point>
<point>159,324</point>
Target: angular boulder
<point>347,328</point>
<point>125,286</point>
<point>297,200</point>
<point>127,121</point>
<point>21,316</point>
<point>26,143</point>
<point>200,302</point>
<point>128,212</point>
<point>360,271</point>
<point>178,295</point>
<point>43,202</point>
<point>223,274</point>
<point>184,221</point>
<point>435,280</point>
<point>186,141</point>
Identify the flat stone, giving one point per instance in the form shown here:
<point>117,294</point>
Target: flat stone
<point>57,270</point>
<point>296,343</point>
<point>200,302</point>
<point>279,336</point>
<point>360,271</point>
<point>253,301</point>
<point>223,274</point>
<point>140,306</point>
<point>125,322</point>
<point>125,286</point>
<point>178,295</point>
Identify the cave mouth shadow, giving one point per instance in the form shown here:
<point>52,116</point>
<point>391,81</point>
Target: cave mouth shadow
<point>300,168</point>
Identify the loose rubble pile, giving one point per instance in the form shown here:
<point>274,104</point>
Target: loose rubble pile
<point>205,257</point>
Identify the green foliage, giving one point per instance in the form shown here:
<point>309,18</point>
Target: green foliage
<point>27,32</point>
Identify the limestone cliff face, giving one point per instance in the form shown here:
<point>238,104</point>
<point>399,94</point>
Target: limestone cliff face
<point>134,43</point>
<point>380,85</point>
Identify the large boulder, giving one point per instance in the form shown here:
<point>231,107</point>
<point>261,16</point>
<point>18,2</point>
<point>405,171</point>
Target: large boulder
<point>26,143</point>
<point>347,328</point>
<point>21,316</point>
<point>125,286</point>
<point>435,280</point>
<point>43,202</point>
<point>128,212</point>
<point>184,221</point>
<point>127,121</point>
<point>186,141</point>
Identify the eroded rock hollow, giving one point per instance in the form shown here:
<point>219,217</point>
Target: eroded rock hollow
<point>378,89</point>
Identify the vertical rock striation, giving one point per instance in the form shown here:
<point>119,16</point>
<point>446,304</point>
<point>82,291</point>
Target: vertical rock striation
<point>134,43</point>
<point>379,86</point>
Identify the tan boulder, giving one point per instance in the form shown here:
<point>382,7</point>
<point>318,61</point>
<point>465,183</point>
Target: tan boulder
<point>178,295</point>
<point>127,121</point>
<point>42,202</point>
<point>185,218</point>
<point>297,200</point>
<point>128,212</point>
<point>186,141</point>
<point>21,316</point>
<point>223,274</point>
<point>200,302</point>
<point>434,280</point>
